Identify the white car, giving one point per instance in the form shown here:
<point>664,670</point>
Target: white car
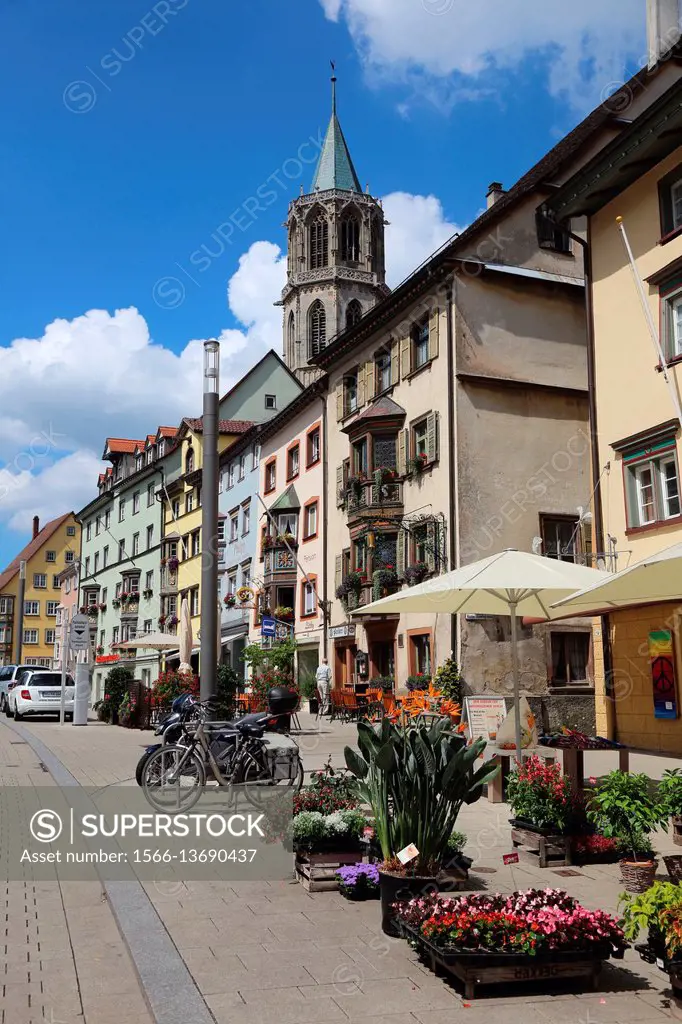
<point>8,675</point>
<point>38,692</point>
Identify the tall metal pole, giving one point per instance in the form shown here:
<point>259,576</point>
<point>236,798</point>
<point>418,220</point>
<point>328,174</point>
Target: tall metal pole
<point>65,648</point>
<point>209,523</point>
<point>20,610</point>
<point>517,681</point>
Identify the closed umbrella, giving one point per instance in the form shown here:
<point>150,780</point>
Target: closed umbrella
<point>653,579</point>
<point>185,637</point>
<point>508,583</point>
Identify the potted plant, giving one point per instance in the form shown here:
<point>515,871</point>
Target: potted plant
<point>670,795</point>
<point>284,614</point>
<point>116,603</point>
<point>417,464</point>
<point>415,573</point>
<point>540,797</point>
<point>125,711</point>
<point>286,538</point>
<point>308,687</point>
<point>626,808</point>
<point>147,593</point>
<point>642,913</point>
<point>161,620</point>
<point>325,842</point>
<point>230,600</point>
<point>124,597</point>
<point>449,680</point>
<point>350,584</point>
<point>173,564</point>
<point>99,650</point>
<point>93,611</point>
<point>352,491</point>
<point>268,542</point>
<point>172,621</point>
<point>385,683</point>
<point>359,882</point>
<point>384,580</point>
<point>102,709</point>
<point>420,681</point>
<point>102,606</point>
<point>415,777</point>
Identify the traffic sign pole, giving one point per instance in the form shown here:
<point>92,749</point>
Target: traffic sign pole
<point>65,651</point>
<point>79,640</point>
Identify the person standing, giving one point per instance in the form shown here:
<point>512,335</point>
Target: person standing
<point>323,679</point>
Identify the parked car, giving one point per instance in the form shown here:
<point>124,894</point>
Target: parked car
<point>8,676</point>
<point>38,692</point>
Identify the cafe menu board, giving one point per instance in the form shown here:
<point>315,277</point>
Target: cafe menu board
<point>484,716</point>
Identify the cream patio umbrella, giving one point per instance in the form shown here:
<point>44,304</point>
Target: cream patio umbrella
<point>185,637</point>
<point>653,579</point>
<point>154,641</point>
<point>508,583</point>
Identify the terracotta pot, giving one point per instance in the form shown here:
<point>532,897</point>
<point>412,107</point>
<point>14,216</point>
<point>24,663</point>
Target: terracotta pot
<point>400,887</point>
<point>638,875</point>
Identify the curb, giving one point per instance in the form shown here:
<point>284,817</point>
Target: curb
<point>168,987</point>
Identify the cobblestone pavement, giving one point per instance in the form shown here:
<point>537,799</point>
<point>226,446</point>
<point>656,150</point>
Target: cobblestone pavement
<point>62,958</point>
<point>266,952</point>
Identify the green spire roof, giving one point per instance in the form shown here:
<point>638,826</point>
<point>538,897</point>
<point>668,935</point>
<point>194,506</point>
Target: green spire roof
<point>335,167</point>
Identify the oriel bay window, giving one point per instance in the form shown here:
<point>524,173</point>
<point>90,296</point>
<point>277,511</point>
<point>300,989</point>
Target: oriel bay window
<point>670,200</point>
<point>671,318</point>
<point>360,458</point>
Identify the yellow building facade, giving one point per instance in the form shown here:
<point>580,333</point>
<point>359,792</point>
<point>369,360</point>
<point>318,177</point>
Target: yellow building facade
<point>182,545</point>
<point>50,550</point>
<point>631,193</point>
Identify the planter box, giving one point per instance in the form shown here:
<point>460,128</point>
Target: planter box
<point>475,968</point>
<point>549,848</point>
<point>317,871</point>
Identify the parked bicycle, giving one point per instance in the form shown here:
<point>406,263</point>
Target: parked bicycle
<point>248,753</point>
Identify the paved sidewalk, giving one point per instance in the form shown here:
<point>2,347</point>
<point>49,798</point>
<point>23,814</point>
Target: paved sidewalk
<point>264,952</point>
<point>62,958</point>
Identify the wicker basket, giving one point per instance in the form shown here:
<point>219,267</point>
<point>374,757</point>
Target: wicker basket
<point>676,822</point>
<point>638,876</point>
<point>673,863</point>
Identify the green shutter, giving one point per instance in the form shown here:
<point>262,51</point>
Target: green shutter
<point>434,324</point>
<point>431,543</point>
<point>338,571</point>
<point>432,436</point>
<point>339,486</point>
<point>402,539</point>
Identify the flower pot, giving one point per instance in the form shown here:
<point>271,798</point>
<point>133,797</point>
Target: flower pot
<point>638,875</point>
<point>400,887</point>
<point>313,705</point>
<point>673,864</point>
<point>676,822</point>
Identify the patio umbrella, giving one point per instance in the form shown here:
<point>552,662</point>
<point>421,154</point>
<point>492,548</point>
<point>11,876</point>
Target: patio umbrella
<point>185,637</point>
<point>155,641</point>
<point>508,583</point>
<point>656,578</point>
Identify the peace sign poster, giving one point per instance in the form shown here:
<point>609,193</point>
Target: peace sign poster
<point>662,659</point>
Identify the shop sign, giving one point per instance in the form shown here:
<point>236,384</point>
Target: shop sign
<point>336,632</point>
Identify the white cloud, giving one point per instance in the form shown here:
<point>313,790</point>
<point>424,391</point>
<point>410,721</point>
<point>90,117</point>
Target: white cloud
<point>447,47</point>
<point>101,374</point>
<point>417,227</point>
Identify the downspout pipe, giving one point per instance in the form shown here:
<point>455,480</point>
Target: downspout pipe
<point>585,244</point>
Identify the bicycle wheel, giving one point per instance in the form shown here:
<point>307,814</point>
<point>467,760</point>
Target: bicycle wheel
<point>173,778</point>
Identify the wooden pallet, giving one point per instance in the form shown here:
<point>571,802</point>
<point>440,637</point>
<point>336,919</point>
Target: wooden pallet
<point>550,850</point>
<point>317,871</point>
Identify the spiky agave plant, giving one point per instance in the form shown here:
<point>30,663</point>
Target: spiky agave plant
<point>416,777</point>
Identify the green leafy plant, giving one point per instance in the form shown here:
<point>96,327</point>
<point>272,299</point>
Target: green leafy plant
<point>350,584</point>
<point>456,842</point>
<point>416,778</point>
<point>383,578</point>
<point>415,573</point>
<point>418,464</point>
<point>307,685</point>
<point>449,681</point>
<point>386,683</point>
<point>313,831</point>
<point>626,808</point>
<point>418,682</point>
<point>670,792</point>
<point>270,666</point>
<point>227,684</point>
<point>643,911</point>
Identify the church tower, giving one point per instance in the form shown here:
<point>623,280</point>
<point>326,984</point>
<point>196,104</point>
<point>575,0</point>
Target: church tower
<point>335,268</point>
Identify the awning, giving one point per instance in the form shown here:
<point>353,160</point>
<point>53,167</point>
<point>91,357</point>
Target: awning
<point>231,639</point>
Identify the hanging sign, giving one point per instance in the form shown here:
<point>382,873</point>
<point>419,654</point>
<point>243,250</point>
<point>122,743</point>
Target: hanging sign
<point>663,677</point>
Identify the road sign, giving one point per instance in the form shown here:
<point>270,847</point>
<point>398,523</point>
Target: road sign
<point>268,627</point>
<point>79,633</point>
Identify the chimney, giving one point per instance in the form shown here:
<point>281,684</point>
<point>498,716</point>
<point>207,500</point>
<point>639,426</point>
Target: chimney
<point>495,193</point>
<point>663,28</point>
<point>36,527</point>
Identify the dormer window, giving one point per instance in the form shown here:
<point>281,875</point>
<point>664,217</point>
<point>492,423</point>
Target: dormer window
<point>189,461</point>
<point>150,456</point>
<point>139,461</point>
<point>162,448</point>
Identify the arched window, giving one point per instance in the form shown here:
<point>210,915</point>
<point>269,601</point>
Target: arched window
<point>377,247</point>
<point>189,461</point>
<point>317,334</point>
<point>318,242</point>
<point>291,336</point>
<point>353,312</point>
<point>350,240</point>
<point>292,249</point>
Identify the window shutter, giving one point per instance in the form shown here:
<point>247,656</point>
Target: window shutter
<point>339,401</point>
<point>432,436</point>
<point>361,386</point>
<point>338,571</point>
<point>431,539</point>
<point>405,356</point>
<point>402,539</point>
<point>370,380</point>
<point>434,326</point>
<point>395,361</point>
<point>402,453</point>
<point>339,486</point>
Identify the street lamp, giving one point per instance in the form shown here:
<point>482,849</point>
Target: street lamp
<point>20,610</point>
<point>209,522</point>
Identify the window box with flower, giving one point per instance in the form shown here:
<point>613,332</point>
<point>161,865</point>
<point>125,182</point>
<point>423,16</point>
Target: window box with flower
<point>417,464</point>
<point>284,614</point>
<point>116,603</point>
<point>147,593</point>
<point>286,539</point>
<point>351,584</point>
<point>102,606</point>
<point>172,621</point>
<point>92,611</point>
<point>173,564</point>
<point>230,600</point>
<point>161,620</point>
<point>416,573</point>
<point>384,581</point>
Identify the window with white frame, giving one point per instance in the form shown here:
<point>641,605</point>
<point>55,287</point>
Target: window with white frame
<point>147,626</point>
<point>105,593</point>
<point>52,607</point>
<point>149,580</point>
<point>246,574</point>
<point>55,583</point>
<point>652,486</point>
<point>310,522</point>
<point>309,599</point>
<point>139,461</point>
<point>115,635</point>
<point>231,581</point>
<point>221,482</point>
<point>98,525</point>
<point>107,519</point>
<point>196,543</point>
<point>136,544</point>
<point>231,474</point>
<point>162,448</point>
<point>194,601</point>
<point>70,531</point>
<point>189,501</point>
<point>31,607</point>
<point>121,510</point>
<point>40,580</point>
<point>30,636</point>
<point>50,556</point>
<point>50,636</point>
<point>242,466</point>
<point>150,536</point>
<point>246,519</point>
<point>87,565</point>
<point>121,550</point>
<point>69,556</point>
<point>175,507</point>
<point>105,556</point>
<point>221,531</point>
<point>6,605</point>
<point>256,456</point>
<point>5,634</point>
<point>136,502</point>
<point>88,531</point>
<point>96,563</point>
<point>150,495</point>
<point>119,589</point>
<point>234,526</point>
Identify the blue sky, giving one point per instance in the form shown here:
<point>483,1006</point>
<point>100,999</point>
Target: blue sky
<point>135,130</point>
